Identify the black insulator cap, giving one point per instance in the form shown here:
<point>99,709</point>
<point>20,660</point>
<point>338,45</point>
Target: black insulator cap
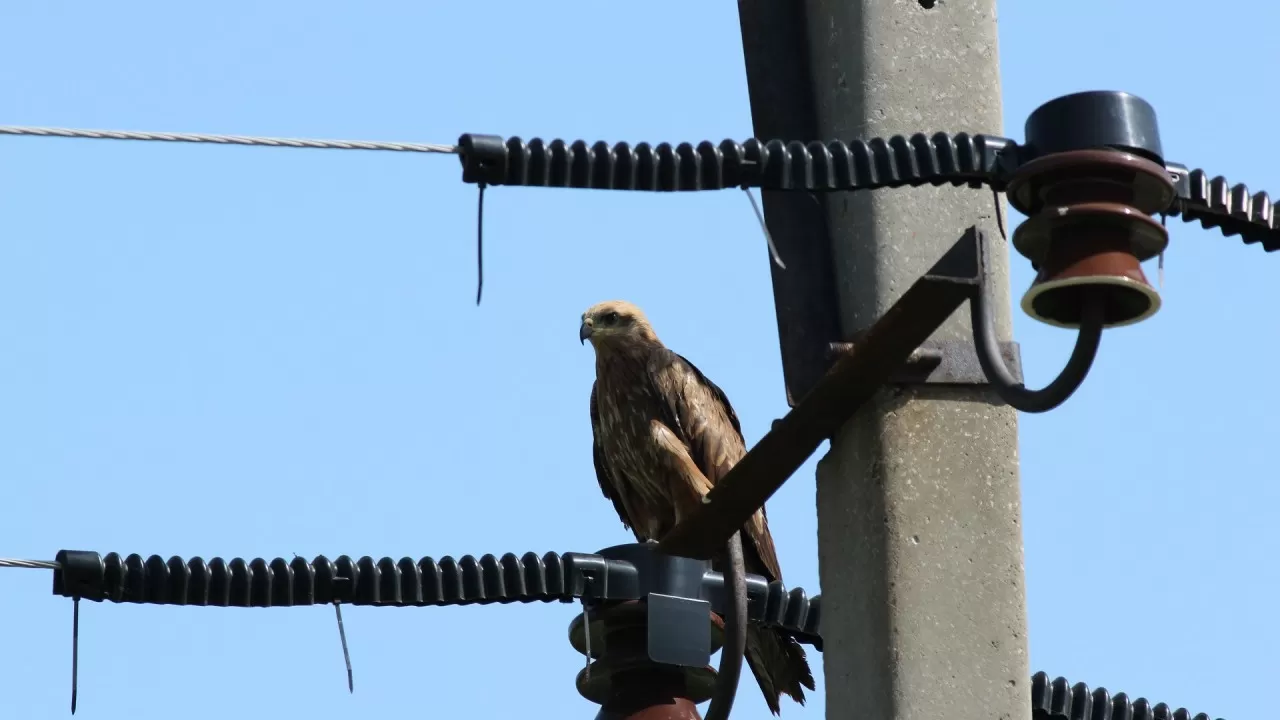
<point>1092,120</point>
<point>656,572</point>
<point>483,157</point>
<point>80,574</point>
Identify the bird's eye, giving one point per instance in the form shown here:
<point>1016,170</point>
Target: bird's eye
<point>610,318</point>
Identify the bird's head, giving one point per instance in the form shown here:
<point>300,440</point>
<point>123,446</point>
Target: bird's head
<point>613,323</point>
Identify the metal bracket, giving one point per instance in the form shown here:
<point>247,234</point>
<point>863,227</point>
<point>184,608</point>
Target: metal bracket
<point>679,633</point>
<point>955,361</point>
<point>945,362</point>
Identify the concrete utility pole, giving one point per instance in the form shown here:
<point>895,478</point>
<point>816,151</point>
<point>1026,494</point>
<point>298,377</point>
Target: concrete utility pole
<point>919,508</point>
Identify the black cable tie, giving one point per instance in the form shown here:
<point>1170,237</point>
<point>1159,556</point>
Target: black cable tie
<point>480,244</point>
<point>75,652</point>
<point>995,198</point>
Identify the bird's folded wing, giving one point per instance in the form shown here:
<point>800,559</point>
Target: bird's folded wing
<point>604,475</point>
<point>700,413</point>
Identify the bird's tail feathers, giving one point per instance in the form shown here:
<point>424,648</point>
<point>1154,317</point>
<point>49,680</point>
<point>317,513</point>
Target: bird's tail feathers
<point>779,665</point>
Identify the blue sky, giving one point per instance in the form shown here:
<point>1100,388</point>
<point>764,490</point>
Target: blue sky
<point>254,352</point>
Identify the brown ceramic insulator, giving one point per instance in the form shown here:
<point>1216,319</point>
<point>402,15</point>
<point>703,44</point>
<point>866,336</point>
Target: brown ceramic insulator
<point>630,686</point>
<point>1069,223</point>
<point>1091,176</point>
<point>595,621</point>
<point>1090,249</point>
<point>649,698</point>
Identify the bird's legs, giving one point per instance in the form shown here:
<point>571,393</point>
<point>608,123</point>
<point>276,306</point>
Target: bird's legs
<point>687,487</point>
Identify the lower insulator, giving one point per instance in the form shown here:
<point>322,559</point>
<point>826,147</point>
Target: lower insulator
<point>622,678</point>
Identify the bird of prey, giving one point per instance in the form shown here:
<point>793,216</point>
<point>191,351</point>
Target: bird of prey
<point>663,435</point>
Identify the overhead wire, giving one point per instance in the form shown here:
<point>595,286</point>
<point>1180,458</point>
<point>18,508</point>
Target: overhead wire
<point>308,143</point>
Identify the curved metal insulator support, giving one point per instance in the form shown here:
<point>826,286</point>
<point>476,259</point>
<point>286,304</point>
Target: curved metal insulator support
<point>920,159</point>
<point>386,582</point>
<point>735,634</point>
<point>1057,699</point>
<point>1215,203</point>
<point>992,362</point>
<point>1055,393</point>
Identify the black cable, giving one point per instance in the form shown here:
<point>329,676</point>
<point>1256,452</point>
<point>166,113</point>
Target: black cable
<point>735,633</point>
<point>1068,381</point>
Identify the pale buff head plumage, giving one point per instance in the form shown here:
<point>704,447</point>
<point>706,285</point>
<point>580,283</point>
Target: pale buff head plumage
<point>616,324</point>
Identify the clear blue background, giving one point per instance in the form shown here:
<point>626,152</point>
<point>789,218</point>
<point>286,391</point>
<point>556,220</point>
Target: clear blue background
<point>258,352</point>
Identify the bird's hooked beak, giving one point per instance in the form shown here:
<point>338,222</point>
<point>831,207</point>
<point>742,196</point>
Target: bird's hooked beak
<point>584,331</point>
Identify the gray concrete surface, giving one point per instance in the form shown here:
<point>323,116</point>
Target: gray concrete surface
<point>919,507</point>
